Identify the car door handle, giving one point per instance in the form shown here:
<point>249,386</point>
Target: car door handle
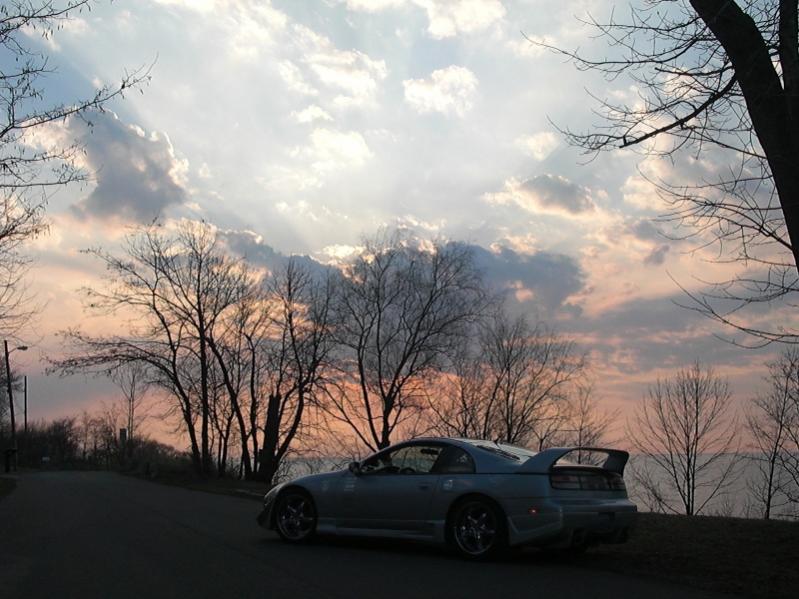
<point>424,487</point>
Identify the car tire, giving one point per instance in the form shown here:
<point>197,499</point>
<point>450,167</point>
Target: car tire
<point>295,516</point>
<point>477,529</point>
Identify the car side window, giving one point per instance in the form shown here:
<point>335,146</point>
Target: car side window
<point>455,460</point>
<point>410,459</point>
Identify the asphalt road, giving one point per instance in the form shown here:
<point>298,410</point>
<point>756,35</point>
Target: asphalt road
<point>100,535</point>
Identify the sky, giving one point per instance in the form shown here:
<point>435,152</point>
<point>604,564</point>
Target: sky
<point>298,127</point>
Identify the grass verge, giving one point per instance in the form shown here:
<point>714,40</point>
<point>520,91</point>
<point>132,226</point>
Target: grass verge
<point>754,558</point>
<point>223,486</point>
<point>6,486</point>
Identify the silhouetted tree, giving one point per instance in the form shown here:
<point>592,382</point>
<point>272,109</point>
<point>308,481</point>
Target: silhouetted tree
<point>716,75</point>
<point>238,346</point>
<point>272,353</point>
<point>134,384</point>
<point>586,424</point>
<point>177,287</point>
<point>401,309</point>
<point>771,418</point>
<point>513,385</point>
<point>688,441</point>
<point>298,358</point>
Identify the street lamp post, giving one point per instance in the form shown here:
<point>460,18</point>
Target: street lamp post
<point>11,401</point>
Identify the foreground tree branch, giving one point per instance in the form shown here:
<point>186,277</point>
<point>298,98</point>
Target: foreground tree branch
<point>720,76</point>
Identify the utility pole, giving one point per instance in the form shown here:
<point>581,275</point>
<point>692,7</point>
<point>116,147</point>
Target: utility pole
<point>11,405</point>
<point>25,394</point>
<point>13,448</point>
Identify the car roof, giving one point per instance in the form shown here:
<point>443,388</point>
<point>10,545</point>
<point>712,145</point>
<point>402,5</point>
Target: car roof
<point>489,457</point>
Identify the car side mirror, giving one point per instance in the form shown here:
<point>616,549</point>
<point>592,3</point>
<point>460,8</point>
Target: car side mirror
<point>355,468</point>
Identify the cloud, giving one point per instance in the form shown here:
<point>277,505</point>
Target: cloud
<point>450,17</point>
<point>446,18</point>
<point>373,6</point>
<point>293,78</point>
<point>332,150</point>
<point>644,230</point>
<point>658,255</point>
<point>138,174</point>
<point>258,28</point>
<point>529,48</point>
<point>350,73</point>
<point>538,145</point>
<point>310,114</point>
<point>547,279</point>
<point>338,253</point>
<point>202,6</point>
<point>254,248</point>
<point>449,91</point>
<point>551,194</point>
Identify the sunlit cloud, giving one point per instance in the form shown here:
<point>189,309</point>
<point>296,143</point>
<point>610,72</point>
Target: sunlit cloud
<point>310,114</point>
<point>331,150</point>
<point>353,74</point>
<point>294,79</point>
<point>446,18</point>
<point>551,194</point>
<point>450,91</point>
<point>539,145</point>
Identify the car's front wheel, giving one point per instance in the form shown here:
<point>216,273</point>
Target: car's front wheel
<point>295,516</point>
<point>477,529</point>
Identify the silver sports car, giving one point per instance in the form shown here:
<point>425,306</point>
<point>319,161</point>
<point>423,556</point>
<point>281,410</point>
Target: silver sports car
<point>477,496</point>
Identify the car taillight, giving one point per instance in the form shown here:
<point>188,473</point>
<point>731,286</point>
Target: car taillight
<point>576,480</point>
<point>617,482</point>
<point>564,481</point>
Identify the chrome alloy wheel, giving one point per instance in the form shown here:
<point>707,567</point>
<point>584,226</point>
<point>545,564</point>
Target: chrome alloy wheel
<point>296,516</point>
<point>476,529</point>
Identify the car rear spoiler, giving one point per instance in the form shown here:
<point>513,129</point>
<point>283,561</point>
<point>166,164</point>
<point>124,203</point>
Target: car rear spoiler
<point>542,462</point>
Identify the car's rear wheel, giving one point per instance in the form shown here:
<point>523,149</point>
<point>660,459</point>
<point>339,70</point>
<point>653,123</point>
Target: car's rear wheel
<point>477,529</point>
<point>295,516</point>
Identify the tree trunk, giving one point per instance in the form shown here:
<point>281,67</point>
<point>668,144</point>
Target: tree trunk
<point>774,111</point>
<point>269,462</point>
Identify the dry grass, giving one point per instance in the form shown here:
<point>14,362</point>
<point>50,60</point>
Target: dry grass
<point>755,558</point>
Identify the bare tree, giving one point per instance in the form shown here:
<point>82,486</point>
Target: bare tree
<point>586,424</point>
<point>272,356</point>
<point>174,289</point>
<point>771,417</point>
<point>459,395</point>
<point>529,371</point>
<point>717,76</point>
<point>774,424</point>
<point>512,386</point>
<point>687,439</point>
<point>237,345</point>
<point>134,383</point>
<point>29,172</point>
<point>298,359</point>
<point>401,309</point>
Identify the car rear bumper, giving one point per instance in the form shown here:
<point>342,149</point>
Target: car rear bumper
<point>562,525</point>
